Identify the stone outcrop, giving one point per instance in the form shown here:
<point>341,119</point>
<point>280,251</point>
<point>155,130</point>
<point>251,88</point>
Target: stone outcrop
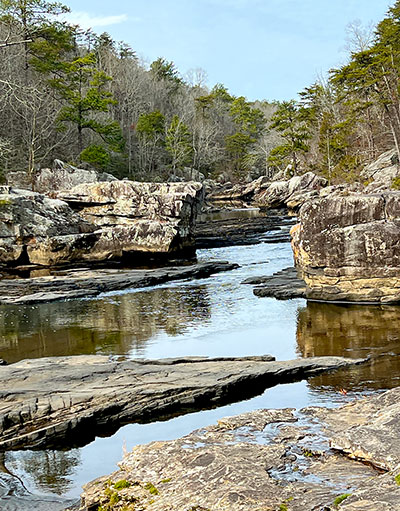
<point>292,193</point>
<point>138,217</point>
<point>263,192</point>
<point>64,177</point>
<point>347,247</point>
<point>312,459</point>
<point>52,402</point>
<point>97,222</point>
<point>380,174</point>
<point>38,230</point>
<point>84,283</point>
<point>282,285</point>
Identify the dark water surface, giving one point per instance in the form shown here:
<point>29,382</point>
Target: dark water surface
<point>214,317</point>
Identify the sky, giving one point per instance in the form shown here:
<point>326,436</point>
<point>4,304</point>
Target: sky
<point>261,49</point>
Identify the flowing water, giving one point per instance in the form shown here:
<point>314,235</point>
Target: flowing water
<point>217,316</point>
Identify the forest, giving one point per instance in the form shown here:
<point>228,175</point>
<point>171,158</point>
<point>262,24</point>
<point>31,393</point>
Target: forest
<point>86,99</point>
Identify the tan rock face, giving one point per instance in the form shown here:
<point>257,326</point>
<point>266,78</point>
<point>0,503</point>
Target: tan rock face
<point>138,217</point>
<point>36,229</point>
<point>346,247</point>
<point>111,219</point>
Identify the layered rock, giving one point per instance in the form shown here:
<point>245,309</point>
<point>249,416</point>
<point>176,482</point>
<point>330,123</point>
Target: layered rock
<point>38,230</point>
<point>316,458</point>
<point>347,247</point>
<point>61,176</point>
<point>102,221</point>
<point>64,177</point>
<point>138,217</point>
<point>52,402</point>
<point>379,174</point>
<point>263,192</point>
<point>292,193</point>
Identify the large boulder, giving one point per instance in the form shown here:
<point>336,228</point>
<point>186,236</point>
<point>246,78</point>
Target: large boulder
<point>379,174</point>
<point>293,193</point>
<point>39,230</point>
<point>138,217</point>
<point>347,247</point>
<point>97,221</point>
<point>64,177</point>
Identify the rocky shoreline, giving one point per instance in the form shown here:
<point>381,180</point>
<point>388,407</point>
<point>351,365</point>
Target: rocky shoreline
<point>65,401</point>
<point>312,459</point>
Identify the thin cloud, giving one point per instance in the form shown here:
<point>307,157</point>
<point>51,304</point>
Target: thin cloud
<point>86,20</point>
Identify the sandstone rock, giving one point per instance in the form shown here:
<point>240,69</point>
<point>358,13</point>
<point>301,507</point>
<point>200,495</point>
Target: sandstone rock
<point>263,460</point>
<point>283,285</point>
<point>138,217</point>
<point>51,402</point>
<point>64,177</point>
<point>380,173</point>
<point>296,190</point>
<point>40,230</point>
<point>346,247</point>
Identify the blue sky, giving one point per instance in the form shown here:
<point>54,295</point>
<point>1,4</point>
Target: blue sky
<point>262,49</point>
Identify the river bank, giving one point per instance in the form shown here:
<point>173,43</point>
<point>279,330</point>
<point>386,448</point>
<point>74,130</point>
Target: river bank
<point>217,316</point>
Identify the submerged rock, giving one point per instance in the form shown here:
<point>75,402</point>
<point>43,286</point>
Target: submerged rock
<point>346,247</point>
<point>85,283</point>
<point>58,401</point>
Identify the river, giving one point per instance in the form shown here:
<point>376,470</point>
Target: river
<point>217,316</point>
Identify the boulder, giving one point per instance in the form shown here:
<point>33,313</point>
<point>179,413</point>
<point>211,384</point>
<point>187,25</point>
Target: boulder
<point>347,247</point>
<point>297,190</point>
<point>64,177</point>
<point>138,217</point>
<point>97,222</point>
<point>38,230</point>
<point>380,173</point>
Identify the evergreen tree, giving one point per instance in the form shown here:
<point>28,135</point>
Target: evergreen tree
<point>289,121</point>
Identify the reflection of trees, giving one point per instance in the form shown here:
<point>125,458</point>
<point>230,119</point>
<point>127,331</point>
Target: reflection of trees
<point>109,325</point>
<point>352,331</point>
<point>51,471</point>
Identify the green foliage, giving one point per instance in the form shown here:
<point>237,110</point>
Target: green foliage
<point>340,499</point>
<point>151,126</point>
<point>83,89</point>
<point>151,488</point>
<point>121,484</point>
<point>397,479</point>
<point>178,143</point>
<point>97,156</point>
<point>290,122</point>
<point>161,69</point>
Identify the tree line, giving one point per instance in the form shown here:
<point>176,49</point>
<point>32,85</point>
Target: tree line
<point>71,94</point>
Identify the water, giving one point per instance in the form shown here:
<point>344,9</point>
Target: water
<point>217,316</point>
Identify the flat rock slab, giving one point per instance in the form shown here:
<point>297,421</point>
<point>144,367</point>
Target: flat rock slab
<point>53,402</point>
<point>283,285</point>
<point>273,228</point>
<point>264,460</point>
<point>87,283</point>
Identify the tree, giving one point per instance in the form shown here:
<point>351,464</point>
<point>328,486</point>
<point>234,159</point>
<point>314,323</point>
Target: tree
<point>151,131</point>
<point>288,120</point>
<point>83,89</point>
<point>178,143</point>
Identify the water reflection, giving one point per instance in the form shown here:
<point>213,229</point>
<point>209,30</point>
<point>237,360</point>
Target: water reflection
<point>352,331</point>
<point>111,325</point>
<point>51,471</point>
